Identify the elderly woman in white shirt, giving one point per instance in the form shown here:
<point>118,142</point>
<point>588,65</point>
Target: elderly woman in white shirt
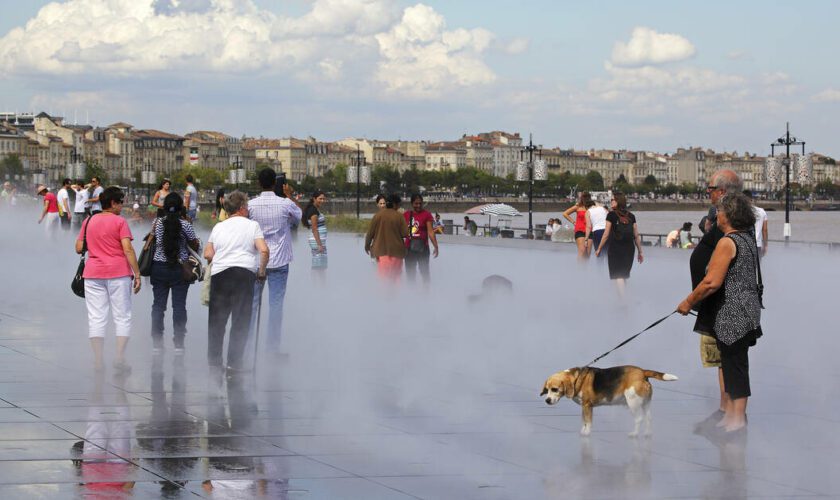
<point>237,249</point>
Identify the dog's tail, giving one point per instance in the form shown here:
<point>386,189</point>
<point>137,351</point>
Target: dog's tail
<point>667,377</point>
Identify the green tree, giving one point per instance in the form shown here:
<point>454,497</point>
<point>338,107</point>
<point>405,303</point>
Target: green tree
<point>594,181</point>
<point>94,169</point>
<point>11,166</point>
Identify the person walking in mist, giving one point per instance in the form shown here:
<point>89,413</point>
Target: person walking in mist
<point>239,254</point>
<point>160,195</point>
<point>621,235</point>
<point>80,205</point>
<point>760,225</point>
<point>721,182</point>
<point>50,210</point>
<point>276,216</point>
<point>385,240</point>
<point>579,209</point>
<point>421,230</point>
<point>596,224</point>
<point>316,222</point>
<point>111,274</point>
<point>191,198</point>
<point>63,198</point>
<point>733,268</point>
<point>172,234</point>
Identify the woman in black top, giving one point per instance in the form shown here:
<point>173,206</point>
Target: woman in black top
<point>734,270</point>
<point>623,237</point>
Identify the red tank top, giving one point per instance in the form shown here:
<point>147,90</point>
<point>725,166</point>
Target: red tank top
<point>580,221</point>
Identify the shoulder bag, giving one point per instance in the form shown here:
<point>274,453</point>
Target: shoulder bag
<point>78,283</point>
<point>191,268</point>
<point>415,245</point>
<point>147,254</point>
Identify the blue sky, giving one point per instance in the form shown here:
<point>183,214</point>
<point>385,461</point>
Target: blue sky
<point>642,75</point>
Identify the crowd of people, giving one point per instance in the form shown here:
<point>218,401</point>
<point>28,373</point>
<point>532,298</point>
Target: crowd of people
<point>250,246</point>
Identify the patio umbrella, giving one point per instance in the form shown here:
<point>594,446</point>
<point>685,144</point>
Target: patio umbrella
<point>477,210</point>
<point>500,209</point>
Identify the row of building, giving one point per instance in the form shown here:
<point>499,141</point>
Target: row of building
<point>46,144</point>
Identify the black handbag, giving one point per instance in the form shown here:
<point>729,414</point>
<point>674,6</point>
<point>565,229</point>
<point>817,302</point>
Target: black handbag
<point>78,283</point>
<point>147,253</point>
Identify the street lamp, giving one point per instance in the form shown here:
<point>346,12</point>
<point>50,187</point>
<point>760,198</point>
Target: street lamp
<point>148,177</point>
<point>531,171</point>
<point>787,141</point>
<point>360,175</point>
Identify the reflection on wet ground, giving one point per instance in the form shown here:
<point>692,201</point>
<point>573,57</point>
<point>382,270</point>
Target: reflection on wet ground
<point>446,407</point>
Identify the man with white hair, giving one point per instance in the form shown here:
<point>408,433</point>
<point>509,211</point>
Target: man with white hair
<point>722,182</point>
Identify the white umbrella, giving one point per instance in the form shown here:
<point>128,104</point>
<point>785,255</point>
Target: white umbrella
<point>500,209</point>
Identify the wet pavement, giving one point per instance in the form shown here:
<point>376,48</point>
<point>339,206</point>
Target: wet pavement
<point>369,405</point>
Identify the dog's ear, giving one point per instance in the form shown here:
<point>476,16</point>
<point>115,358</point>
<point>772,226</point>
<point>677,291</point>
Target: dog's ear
<point>544,391</point>
<point>568,388</point>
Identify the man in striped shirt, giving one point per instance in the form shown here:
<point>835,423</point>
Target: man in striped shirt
<point>275,215</point>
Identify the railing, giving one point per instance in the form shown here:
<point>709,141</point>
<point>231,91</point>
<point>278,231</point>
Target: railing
<point>648,239</point>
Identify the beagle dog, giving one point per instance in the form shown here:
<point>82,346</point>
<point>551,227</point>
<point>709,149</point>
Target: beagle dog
<point>619,385</point>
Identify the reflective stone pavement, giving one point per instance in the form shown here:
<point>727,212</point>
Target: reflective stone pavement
<point>415,412</point>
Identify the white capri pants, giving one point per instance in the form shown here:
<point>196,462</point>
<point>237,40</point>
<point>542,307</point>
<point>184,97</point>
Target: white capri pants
<point>108,295</point>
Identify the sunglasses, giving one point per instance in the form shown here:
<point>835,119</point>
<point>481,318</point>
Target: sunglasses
<point>709,189</point>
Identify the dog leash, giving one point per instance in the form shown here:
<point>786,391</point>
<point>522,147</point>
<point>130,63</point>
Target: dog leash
<point>660,320</point>
<point>585,367</point>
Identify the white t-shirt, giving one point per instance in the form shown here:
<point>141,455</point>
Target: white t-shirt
<point>760,219</point>
<point>82,196</point>
<point>233,242</point>
<point>96,206</point>
<point>556,232</point>
<point>63,197</point>
<point>193,196</point>
<point>598,216</point>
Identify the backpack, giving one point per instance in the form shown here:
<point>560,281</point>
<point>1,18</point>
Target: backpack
<point>624,228</point>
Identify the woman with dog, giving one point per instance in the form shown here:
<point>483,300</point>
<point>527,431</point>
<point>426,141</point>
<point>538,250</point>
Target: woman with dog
<point>734,269</point>
<point>621,235</point>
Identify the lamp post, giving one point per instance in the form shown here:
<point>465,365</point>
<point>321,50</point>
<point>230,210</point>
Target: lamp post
<point>360,175</point>
<point>358,180</point>
<point>787,141</point>
<point>535,171</point>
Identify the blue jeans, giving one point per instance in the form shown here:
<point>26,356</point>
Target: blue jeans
<point>165,278</point>
<point>276,279</point>
<point>191,214</point>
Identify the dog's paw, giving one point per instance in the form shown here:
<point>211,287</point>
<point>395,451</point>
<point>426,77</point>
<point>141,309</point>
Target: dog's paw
<point>585,430</point>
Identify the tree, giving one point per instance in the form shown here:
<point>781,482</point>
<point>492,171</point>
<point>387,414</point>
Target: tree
<point>10,167</point>
<point>650,181</point>
<point>94,169</point>
<point>594,181</point>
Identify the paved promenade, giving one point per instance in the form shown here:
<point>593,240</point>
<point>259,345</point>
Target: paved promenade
<point>388,395</point>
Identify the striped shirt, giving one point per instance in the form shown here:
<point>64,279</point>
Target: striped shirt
<point>275,215</point>
<point>187,235</point>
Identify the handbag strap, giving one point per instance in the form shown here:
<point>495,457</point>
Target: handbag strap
<point>84,236</point>
<point>757,261</point>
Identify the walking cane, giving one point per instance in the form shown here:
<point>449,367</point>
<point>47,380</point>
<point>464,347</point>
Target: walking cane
<point>257,331</point>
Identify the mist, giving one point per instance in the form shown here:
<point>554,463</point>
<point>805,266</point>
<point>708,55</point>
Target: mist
<point>424,392</point>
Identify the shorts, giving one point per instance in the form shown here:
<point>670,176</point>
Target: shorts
<point>709,352</point>
<point>580,234</point>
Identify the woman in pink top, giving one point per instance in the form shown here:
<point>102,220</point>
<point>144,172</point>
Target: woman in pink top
<point>111,272</point>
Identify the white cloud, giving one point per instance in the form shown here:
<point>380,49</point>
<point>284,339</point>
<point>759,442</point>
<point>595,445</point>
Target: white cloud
<point>409,49</point>
<point>827,95</point>
<point>420,57</point>
<point>646,46</point>
<point>516,46</point>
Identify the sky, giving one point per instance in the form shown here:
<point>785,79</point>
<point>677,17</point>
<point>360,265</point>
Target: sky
<point>645,75</point>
